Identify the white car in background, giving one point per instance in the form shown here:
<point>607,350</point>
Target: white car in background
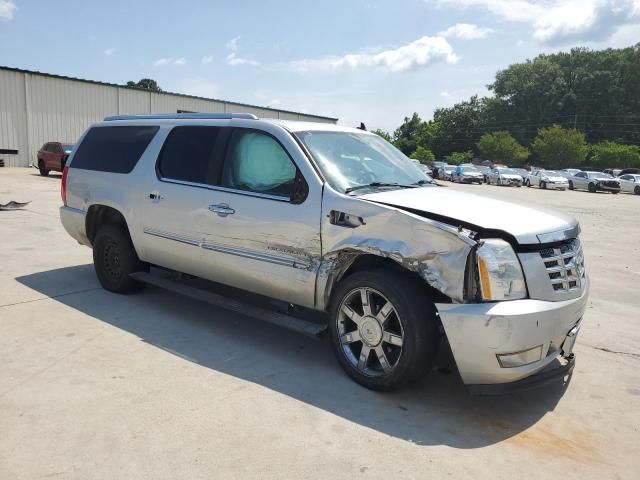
<point>630,183</point>
<point>504,176</point>
<point>594,182</point>
<point>547,179</point>
<point>568,172</point>
<point>446,173</point>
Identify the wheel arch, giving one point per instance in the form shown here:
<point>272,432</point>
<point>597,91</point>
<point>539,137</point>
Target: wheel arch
<point>99,215</point>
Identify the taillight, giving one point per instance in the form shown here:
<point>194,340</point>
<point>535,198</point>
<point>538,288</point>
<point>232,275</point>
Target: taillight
<point>63,185</point>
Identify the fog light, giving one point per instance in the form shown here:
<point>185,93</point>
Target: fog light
<point>519,359</point>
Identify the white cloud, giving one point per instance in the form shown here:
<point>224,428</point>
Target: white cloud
<point>466,31</point>
<point>233,58</point>
<point>109,51</point>
<point>7,9</point>
<point>562,21</point>
<point>198,86</point>
<point>418,54</point>
<point>206,59</point>
<point>445,93</point>
<point>163,62</point>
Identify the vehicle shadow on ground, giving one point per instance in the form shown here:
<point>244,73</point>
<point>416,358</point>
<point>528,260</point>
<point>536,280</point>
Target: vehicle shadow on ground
<point>437,411</point>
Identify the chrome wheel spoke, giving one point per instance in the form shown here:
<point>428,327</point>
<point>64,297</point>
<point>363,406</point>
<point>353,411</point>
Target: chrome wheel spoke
<point>384,313</point>
<point>392,338</point>
<point>363,360</point>
<point>382,358</point>
<point>350,337</point>
<point>351,314</point>
<point>366,301</point>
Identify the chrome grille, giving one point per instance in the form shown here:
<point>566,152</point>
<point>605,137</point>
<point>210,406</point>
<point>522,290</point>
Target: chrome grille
<point>565,266</point>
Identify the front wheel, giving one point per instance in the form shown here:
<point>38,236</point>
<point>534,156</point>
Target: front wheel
<point>637,190</point>
<point>592,188</point>
<point>543,185</point>
<point>114,258</point>
<point>527,183</point>
<point>571,187</point>
<point>383,329</point>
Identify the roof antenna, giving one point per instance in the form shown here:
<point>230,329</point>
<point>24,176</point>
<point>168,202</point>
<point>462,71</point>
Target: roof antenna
<point>362,126</point>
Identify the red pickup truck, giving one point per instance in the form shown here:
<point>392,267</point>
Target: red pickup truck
<point>53,156</point>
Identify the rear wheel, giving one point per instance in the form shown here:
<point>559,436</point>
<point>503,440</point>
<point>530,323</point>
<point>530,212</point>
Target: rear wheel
<point>592,188</point>
<point>43,170</point>
<point>114,258</point>
<point>637,190</point>
<point>383,329</point>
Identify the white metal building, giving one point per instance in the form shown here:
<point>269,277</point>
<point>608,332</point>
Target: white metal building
<point>37,107</point>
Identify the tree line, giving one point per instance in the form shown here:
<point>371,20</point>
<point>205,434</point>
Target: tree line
<point>565,109</point>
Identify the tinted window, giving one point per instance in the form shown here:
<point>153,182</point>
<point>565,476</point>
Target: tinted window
<point>188,152</point>
<point>113,149</point>
<point>257,162</point>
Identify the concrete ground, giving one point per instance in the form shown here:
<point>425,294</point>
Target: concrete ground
<point>97,385</point>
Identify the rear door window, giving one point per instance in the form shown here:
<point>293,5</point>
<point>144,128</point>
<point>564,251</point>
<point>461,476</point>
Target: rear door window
<point>113,149</point>
<point>191,154</point>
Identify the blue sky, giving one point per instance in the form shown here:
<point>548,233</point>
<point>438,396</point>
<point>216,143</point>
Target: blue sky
<point>361,60</point>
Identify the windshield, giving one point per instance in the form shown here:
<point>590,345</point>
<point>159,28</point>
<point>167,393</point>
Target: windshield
<point>350,160</point>
<point>68,146</point>
<point>507,171</point>
<point>598,175</point>
<point>469,169</point>
<point>550,173</point>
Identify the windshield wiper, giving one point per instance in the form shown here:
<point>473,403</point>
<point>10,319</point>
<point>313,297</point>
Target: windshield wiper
<point>377,184</point>
<point>423,182</point>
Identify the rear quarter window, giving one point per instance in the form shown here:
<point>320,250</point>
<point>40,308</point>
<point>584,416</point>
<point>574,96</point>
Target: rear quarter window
<point>113,149</point>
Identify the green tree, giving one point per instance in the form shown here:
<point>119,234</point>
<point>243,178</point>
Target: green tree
<point>424,155</point>
<point>614,155</point>
<point>458,126</point>
<point>146,84</point>
<point>456,158</point>
<point>383,134</point>
<point>405,138</point>
<point>560,147</point>
<point>501,147</point>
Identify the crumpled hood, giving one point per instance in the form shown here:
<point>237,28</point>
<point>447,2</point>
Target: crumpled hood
<point>511,176</point>
<point>524,222</point>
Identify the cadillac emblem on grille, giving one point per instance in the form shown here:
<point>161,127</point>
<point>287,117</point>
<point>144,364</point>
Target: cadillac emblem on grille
<point>565,266</point>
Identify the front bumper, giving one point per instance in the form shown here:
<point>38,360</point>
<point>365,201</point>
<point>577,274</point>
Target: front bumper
<point>477,333</point>
<point>558,186</point>
<point>511,182</point>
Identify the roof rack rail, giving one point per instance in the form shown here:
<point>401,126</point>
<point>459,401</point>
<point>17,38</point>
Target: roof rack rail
<point>176,116</point>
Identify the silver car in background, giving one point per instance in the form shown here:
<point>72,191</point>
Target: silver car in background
<point>505,176</point>
<point>337,220</point>
<point>546,179</point>
<point>594,182</point>
<point>630,183</point>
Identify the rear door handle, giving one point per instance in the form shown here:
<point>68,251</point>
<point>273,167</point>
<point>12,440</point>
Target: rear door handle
<point>155,195</point>
<point>222,209</point>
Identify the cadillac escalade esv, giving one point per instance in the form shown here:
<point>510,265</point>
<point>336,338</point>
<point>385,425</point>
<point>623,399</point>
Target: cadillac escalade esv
<point>336,220</point>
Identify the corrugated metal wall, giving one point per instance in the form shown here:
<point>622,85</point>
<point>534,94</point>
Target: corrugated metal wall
<point>35,109</point>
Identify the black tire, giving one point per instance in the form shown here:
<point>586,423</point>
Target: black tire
<point>637,190</point>
<point>592,188</point>
<point>615,191</point>
<point>571,185</point>
<point>414,316</point>
<point>527,183</point>
<point>43,171</point>
<point>114,258</point>
<point>498,182</point>
<point>543,185</point>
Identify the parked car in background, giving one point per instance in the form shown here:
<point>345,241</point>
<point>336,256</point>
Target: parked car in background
<point>332,219</point>
<point>467,174</point>
<point>436,167</point>
<point>630,183</point>
<point>505,176</point>
<point>612,171</point>
<point>447,172</point>
<point>422,166</point>
<point>546,179</point>
<point>594,182</point>
<point>53,156</point>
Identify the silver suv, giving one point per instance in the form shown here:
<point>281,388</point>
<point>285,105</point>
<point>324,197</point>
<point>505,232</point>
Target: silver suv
<point>336,220</point>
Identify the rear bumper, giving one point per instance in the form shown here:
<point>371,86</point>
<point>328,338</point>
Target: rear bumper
<point>478,333</point>
<point>73,221</point>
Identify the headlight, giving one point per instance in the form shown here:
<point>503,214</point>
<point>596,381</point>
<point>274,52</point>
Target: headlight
<point>500,272</point>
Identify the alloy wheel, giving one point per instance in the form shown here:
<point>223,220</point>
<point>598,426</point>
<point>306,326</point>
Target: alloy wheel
<point>370,332</point>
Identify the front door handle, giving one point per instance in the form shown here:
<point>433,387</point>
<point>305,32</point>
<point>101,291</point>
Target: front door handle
<point>155,195</point>
<point>222,209</point>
